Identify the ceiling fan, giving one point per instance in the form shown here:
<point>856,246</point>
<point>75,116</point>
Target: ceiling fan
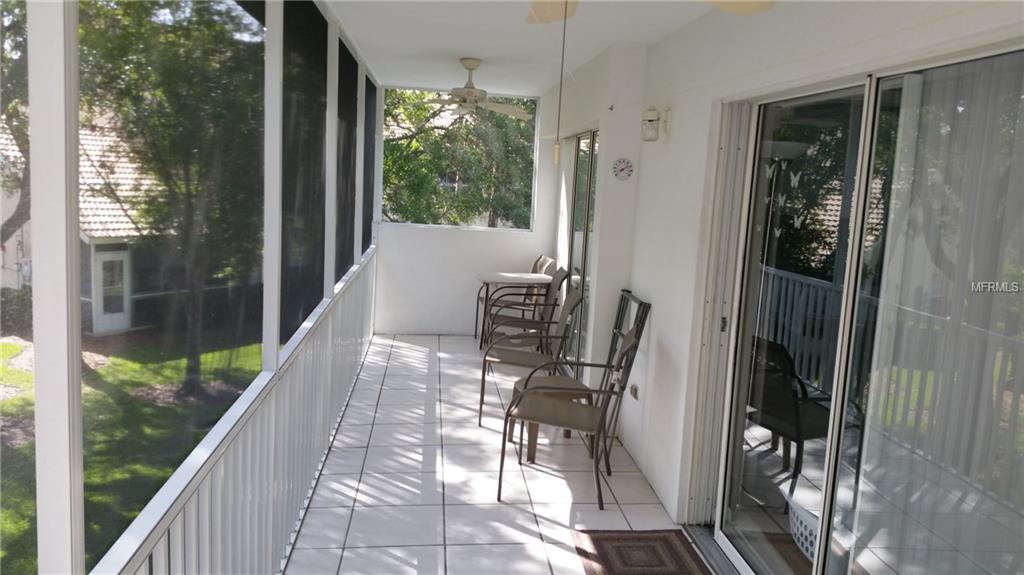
<point>468,98</point>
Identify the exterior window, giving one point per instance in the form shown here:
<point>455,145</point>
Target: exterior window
<point>171,212</point>
<point>17,390</point>
<point>369,161</point>
<point>449,166</point>
<point>348,87</point>
<point>302,189</point>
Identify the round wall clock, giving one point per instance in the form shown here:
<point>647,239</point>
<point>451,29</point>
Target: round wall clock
<point>622,169</point>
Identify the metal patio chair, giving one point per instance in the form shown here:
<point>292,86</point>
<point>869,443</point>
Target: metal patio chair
<point>512,349</point>
<point>539,402</point>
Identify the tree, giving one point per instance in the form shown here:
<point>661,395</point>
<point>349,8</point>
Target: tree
<point>182,83</point>
<point>13,109</point>
<point>444,168</point>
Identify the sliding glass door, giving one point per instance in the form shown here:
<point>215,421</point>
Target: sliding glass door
<point>888,411</point>
<point>931,474</point>
<point>797,242</point>
<point>584,196</point>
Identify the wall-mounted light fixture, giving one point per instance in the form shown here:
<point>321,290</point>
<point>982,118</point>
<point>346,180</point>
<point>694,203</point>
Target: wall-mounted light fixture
<point>651,122</point>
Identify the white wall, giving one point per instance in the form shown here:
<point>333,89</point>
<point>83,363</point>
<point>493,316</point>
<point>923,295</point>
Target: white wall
<point>722,57</point>
<point>426,275</point>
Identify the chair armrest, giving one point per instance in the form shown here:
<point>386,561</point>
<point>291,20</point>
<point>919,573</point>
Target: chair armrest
<point>551,364</point>
<point>506,291</point>
<point>549,390</point>
<point>529,335</point>
<point>537,322</point>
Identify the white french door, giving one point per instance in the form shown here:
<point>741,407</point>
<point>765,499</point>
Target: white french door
<point>112,290</point>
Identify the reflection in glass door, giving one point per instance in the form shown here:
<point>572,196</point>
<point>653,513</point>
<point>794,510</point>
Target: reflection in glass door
<point>584,196</point>
<point>797,238</point>
<point>930,476</point>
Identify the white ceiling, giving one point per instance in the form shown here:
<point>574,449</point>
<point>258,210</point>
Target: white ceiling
<point>417,44</point>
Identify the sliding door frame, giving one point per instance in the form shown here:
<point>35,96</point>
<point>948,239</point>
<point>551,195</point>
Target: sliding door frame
<point>850,272</point>
<point>847,316</point>
<point>588,210</point>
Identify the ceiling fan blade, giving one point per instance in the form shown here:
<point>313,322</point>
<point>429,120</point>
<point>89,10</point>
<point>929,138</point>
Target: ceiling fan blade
<point>507,109</point>
<point>547,11</point>
<point>742,7</point>
<point>433,101</point>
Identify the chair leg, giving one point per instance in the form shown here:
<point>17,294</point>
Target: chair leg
<point>483,387</point>
<point>799,458</point>
<point>532,431</point>
<point>476,317</point>
<point>501,464</point>
<point>511,437</point>
<point>597,479</point>
<point>775,441</point>
<point>520,454</point>
<point>607,460</point>
<point>785,454</point>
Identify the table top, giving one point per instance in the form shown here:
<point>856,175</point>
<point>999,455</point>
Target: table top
<point>510,278</point>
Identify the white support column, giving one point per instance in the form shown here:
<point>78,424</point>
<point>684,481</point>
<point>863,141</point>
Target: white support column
<point>357,228</point>
<point>273,97</point>
<point>56,308</point>
<point>378,166</point>
<point>331,161</point>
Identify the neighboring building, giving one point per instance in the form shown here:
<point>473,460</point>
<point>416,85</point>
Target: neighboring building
<point>125,284</point>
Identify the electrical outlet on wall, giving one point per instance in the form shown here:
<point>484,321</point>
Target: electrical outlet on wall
<point>634,391</point>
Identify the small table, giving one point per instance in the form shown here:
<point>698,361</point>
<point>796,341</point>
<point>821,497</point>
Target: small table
<point>505,279</point>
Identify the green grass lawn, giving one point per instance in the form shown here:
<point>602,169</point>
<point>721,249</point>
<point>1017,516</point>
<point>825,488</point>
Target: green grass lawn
<point>132,443</point>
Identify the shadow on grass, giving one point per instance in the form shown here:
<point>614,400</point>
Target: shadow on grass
<point>131,445</point>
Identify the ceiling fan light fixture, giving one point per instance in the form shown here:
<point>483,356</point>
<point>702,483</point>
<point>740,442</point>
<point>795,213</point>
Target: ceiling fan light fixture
<point>550,11</point>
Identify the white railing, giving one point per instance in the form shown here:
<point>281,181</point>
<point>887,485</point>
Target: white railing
<point>951,392</point>
<point>233,505</point>
<point>802,313</point>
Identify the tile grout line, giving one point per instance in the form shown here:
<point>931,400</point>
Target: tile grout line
<point>320,473</point>
<point>522,474</point>
<point>366,454</point>
<point>440,427</point>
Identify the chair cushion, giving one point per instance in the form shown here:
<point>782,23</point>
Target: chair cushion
<point>520,357</point>
<point>519,323</point>
<point>550,410</point>
<point>559,381</point>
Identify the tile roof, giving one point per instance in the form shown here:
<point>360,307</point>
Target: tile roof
<point>110,180</point>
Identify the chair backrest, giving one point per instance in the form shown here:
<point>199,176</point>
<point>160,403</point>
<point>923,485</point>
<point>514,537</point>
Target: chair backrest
<point>540,264</point>
<point>547,311</point>
<point>566,312</point>
<point>622,353</point>
<point>773,381</point>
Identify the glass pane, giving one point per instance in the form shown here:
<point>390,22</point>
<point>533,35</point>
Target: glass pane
<point>302,191</point>
<point>113,286</point>
<point>17,391</point>
<point>348,86</point>
<point>578,236</point>
<point>460,165</point>
<point>582,327</point>
<point>792,287</point>
<point>369,161</point>
<point>171,201</point>
<point>931,478</point>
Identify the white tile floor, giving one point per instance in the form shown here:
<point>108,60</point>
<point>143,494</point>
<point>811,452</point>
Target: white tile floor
<point>410,483</point>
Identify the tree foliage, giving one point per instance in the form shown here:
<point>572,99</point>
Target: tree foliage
<point>181,82</point>
<point>444,168</point>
